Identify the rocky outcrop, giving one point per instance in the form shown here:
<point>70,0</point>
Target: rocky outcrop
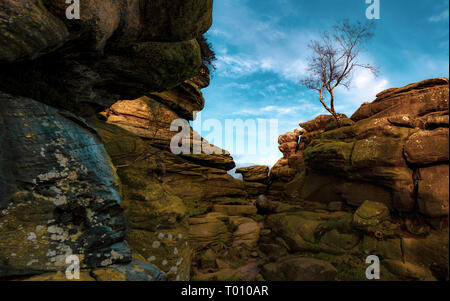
<point>116,50</point>
<point>256,179</point>
<point>381,181</point>
<point>59,193</point>
<point>385,152</point>
<point>299,269</point>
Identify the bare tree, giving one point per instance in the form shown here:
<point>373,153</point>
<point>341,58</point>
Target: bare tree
<point>334,59</point>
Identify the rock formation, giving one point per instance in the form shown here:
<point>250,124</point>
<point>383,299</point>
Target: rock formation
<point>377,185</point>
<point>61,194</point>
<point>256,179</point>
<point>87,169</point>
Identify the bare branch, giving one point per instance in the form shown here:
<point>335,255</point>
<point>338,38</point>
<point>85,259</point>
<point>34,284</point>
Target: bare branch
<point>334,59</point>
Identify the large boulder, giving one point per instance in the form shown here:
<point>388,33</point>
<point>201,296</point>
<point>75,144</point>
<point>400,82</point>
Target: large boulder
<point>59,194</point>
<point>433,193</point>
<point>299,269</point>
<point>116,50</point>
<point>416,99</point>
<point>19,38</point>
<point>427,147</point>
<point>158,219</point>
<point>176,20</point>
<point>370,214</point>
<point>152,120</point>
<point>258,173</point>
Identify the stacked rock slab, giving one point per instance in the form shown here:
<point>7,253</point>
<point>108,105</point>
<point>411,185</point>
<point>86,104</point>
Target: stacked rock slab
<point>256,179</point>
<point>283,171</point>
<point>60,193</point>
<point>377,185</point>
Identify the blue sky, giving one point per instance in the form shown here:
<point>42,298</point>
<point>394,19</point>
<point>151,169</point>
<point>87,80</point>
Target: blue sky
<point>261,47</point>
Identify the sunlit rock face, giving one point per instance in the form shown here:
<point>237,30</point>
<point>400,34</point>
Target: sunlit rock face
<point>377,185</point>
<point>403,131</point>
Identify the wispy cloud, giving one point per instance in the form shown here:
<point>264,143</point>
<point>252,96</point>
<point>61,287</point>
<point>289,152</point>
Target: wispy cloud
<point>274,111</point>
<point>443,16</point>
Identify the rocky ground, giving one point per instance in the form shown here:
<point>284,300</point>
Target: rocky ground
<point>86,169</point>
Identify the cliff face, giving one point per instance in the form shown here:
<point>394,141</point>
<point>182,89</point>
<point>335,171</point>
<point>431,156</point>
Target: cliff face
<point>377,185</point>
<point>104,188</point>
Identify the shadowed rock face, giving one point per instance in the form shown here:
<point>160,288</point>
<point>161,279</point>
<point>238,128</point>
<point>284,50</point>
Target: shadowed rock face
<point>59,193</point>
<point>117,50</point>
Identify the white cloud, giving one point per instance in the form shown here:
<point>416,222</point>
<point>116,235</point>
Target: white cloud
<point>365,86</point>
<point>274,111</point>
<point>443,16</point>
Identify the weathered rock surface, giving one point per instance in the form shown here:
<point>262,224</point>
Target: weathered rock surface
<point>117,50</point>
<point>19,38</point>
<point>299,269</point>
<point>416,99</point>
<point>379,153</point>
<point>257,173</point>
<point>256,179</point>
<point>53,165</point>
<point>376,185</point>
<point>59,193</point>
<point>427,147</point>
<point>158,219</point>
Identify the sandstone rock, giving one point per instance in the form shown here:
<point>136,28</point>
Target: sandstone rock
<point>61,276</point>
<point>433,193</point>
<point>386,248</point>
<point>377,151</point>
<point>176,20</point>
<point>127,72</point>
<point>333,156</point>
<point>257,173</point>
<point>235,209</point>
<point>134,271</point>
<point>19,38</point>
<point>255,189</point>
<point>299,269</point>
<point>436,248</point>
<point>319,123</point>
<point>303,231</point>
<point>288,149</point>
<point>158,219</point>
<point>208,230</point>
<point>409,270</point>
<point>427,147</point>
<point>151,120</point>
<point>246,234</point>
<point>273,251</point>
<point>99,20</point>
<point>415,99</point>
<point>282,171</point>
<point>335,206</point>
<point>356,193</point>
<point>221,275</point>
<point>313,187</point>
<point>370,214</point>
<point>184,99</point>
<point>208,259</point>
<point>269,207</point>
<point>53,167</point>
<point>289,137</point>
